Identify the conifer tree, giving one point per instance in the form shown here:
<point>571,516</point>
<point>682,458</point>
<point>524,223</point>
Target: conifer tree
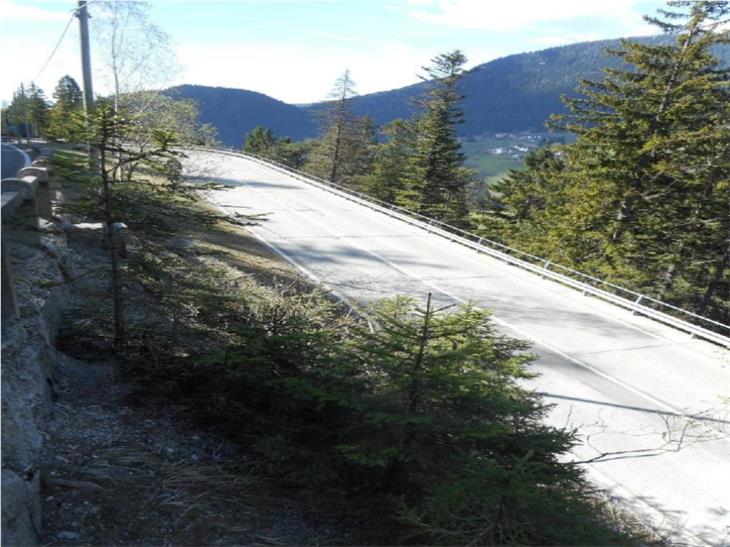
<point>343,153</point>
<point>114,195</point>
<point>15,113</point>
<point>29,106</point>
<point>642,198</point>
<point>37,110</point>
<point>340,119</point>
<point>389,166</point>
<point>435,182</point>
<point>259,141</point>
<point>442,426</point>
<point>67,95</point>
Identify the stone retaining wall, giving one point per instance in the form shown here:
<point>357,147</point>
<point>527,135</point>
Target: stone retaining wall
<point>33,295</point>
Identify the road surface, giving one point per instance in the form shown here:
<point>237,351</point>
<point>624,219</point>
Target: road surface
<point>13,160</point>
<point>650,402</point>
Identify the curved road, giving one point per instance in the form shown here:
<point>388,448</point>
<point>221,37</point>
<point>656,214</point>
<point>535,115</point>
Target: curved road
<point>13,160</point>
<point>651,404</point>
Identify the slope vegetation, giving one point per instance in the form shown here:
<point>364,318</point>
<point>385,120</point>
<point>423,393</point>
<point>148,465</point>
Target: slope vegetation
<point>511,94</point>
<point>235,112</point>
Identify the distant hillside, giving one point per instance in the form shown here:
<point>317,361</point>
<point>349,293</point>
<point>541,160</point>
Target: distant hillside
<point>235,112</point>
<point>511,94</point>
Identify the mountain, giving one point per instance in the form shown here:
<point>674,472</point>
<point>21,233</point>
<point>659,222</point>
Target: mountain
<point>511,94</point>
<point>235,112</point>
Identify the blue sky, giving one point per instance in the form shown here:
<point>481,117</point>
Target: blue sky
<point>294,50</point>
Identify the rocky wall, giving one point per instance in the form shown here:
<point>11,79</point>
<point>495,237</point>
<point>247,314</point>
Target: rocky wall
<point>28,358</point>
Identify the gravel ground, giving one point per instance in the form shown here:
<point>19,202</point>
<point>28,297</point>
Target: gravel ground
<point>120,469</point>
<point>122,472</point>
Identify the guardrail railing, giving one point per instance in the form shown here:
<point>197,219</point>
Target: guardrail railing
<point>634,301</point>
<point>25,202</point>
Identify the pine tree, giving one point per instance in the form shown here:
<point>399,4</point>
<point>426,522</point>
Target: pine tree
<point>517,211</point>
<point>435,182</point>
<point>343,153</point>
<point>391,156</point>
<point>340,119</point>
<point>29,107</point>
<point>68,97</point>
<point>642,198</point>
<point>116,196</point>
<point>38,109</point>
<point>259,141</point>
<point>15,113</point>
<point>442,426</point>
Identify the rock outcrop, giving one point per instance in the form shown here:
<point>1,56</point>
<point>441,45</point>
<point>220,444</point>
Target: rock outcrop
<point>28,359</point>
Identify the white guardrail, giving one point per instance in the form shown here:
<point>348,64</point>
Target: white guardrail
<point>588,285</point>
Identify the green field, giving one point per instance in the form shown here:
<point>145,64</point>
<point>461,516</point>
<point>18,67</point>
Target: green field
<point>483,155</point>
<point>491,166</point>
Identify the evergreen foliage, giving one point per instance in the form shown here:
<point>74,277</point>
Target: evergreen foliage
<point>119,192</point>
<point>413,420</point>
<point>262,142</point>
<point>385,182</point>
<point>28,112</point>
<point>38,109</point>
<point>641,197</point>
<point>69,101</point>
<point>435,183</point>
<point>513,93</point>
<point>236,112</point>
<point>418,421</point>
<point>343,154</point>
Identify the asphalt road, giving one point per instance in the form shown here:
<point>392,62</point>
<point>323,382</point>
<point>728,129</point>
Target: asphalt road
<point>13,160</point>
<point>651,404</point>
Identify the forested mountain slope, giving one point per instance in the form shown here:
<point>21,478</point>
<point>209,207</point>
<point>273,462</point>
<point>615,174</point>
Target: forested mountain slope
<point>511,94</point>
<point>235,112</point>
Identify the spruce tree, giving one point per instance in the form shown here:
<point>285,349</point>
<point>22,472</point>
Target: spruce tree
<point>343,153</point>
<point>515,211</point>
<point>67,95</point>
<point>435,181</point>
<point>15,113</point>
<point>391,156</point>
<point>29,106</point>
<point>642,198</point>
<point>259,141</point>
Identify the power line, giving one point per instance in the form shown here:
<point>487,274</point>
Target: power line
<point>58,44</point>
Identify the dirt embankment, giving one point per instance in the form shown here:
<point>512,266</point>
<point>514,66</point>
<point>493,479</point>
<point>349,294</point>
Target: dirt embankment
<point>87,460</point>
<point>125,470</point>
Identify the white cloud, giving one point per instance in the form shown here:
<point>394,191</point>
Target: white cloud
<point>300,74</point>
<point>508,16</point>
<point>24,12</point>
<point>21,57</point>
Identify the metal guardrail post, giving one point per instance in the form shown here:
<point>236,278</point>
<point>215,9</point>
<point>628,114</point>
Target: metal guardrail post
<point>637,302</point>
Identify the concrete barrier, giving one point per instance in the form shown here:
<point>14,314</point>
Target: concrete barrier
<point>41,173</point>
<point>31,314</point>
<point>26,201</point>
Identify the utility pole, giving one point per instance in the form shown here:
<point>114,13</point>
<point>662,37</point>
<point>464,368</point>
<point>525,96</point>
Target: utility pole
<point>25,113</point>
<point>83,15</point>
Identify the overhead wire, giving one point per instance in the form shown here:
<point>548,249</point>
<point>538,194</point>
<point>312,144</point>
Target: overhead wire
<point>58,44</point>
